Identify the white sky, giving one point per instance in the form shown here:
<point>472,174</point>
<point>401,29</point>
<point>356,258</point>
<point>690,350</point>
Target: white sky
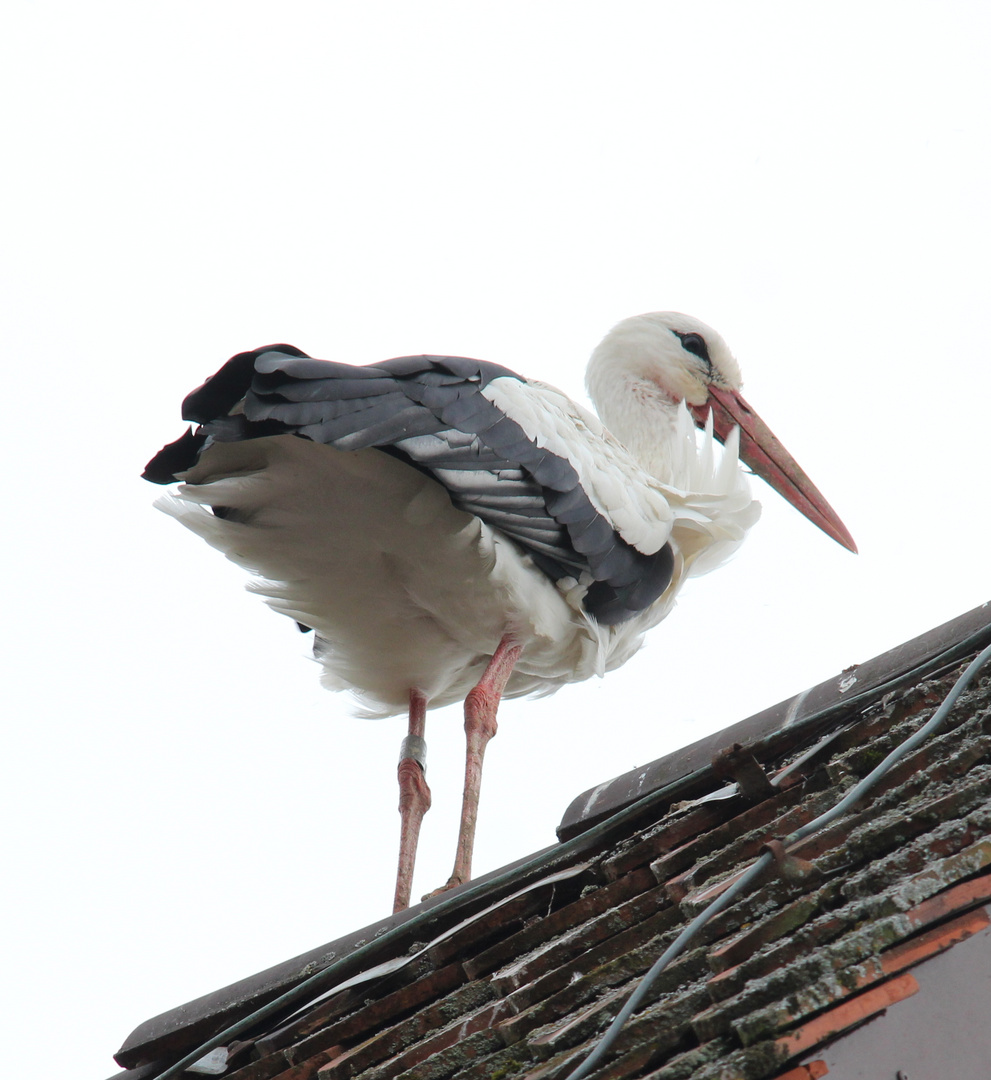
<point>183,181</point>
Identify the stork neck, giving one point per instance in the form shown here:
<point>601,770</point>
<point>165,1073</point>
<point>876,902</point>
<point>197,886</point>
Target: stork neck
<point>640,414</point>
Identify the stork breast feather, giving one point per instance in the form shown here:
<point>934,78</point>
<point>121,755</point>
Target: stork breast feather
<point>619,489</point>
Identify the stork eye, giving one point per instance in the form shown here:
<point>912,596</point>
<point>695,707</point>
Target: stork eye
<point>695,343</point>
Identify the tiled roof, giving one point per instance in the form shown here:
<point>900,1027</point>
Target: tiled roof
<point>518,974</point>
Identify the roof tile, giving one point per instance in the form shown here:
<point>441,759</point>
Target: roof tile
<point>520,978</point>
<point>812,1070</point>
<point>577,944</point>
<point>593,901</point>
<point>445,1051</point>
<point>784,921</point>
<point>846,1015</point>
<point>377,1013</point>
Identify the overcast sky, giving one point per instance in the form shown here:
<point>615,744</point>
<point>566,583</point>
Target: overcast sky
<point>182,181</point>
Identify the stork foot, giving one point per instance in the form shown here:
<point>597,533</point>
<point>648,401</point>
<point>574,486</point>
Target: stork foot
<point>452,883</point>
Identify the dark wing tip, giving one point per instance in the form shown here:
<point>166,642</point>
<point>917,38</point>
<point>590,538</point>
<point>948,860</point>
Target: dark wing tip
<point>174,458</point>
<point>221,392</point>
<point>209,402</point>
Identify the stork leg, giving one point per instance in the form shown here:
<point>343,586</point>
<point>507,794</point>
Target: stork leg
<point>414,796</point>
<point>481,706</point>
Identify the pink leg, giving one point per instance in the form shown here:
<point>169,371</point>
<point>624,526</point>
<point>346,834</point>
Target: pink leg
<point>414,796</point>
<point>481,705</point>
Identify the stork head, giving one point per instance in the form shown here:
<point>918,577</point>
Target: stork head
<point>647,365</point>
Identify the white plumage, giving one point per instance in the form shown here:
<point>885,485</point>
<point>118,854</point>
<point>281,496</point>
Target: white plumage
<point>405,589</point>
<point>410,592</point>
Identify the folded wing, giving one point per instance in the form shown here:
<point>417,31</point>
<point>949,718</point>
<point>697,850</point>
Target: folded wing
<point>518,455</point>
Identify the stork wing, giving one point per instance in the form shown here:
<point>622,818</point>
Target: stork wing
<point>518,455</point>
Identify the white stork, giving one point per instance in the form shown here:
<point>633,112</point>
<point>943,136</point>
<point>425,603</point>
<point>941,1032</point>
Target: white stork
<point>451,530</point>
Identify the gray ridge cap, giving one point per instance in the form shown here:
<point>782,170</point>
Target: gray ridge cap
<point>797,720</point>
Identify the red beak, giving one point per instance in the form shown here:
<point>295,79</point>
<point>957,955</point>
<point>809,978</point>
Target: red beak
<point>761,450</point>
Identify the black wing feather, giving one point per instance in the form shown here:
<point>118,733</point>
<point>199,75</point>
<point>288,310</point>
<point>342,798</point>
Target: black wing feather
<point>429,411</point>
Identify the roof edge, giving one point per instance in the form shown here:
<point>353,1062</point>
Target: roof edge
<point>824,705</point>
<point>179,1029</point>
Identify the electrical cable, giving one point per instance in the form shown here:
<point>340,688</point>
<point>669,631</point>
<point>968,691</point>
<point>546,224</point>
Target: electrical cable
<point>364,956</point>
<point>854,795</point>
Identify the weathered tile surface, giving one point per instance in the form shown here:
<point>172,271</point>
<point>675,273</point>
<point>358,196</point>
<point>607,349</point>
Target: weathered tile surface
<point>522,989</point>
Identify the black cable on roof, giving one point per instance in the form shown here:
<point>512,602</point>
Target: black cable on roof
<point>853,796</point>
<point>364,956</point>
